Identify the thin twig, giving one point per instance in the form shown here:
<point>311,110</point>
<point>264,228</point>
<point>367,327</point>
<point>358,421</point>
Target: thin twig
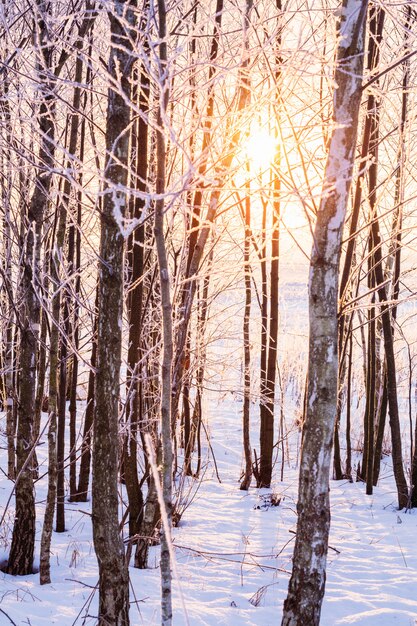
<point>211,450</point>
<point>8,617</point>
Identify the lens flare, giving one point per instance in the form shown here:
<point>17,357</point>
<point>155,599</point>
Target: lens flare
<point>261,149</point>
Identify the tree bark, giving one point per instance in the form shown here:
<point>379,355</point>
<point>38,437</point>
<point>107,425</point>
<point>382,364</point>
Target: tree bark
<point>113,572</point>
<point>306,588</point>
<point>81,494</point>
<point>7,306</point>
<point>247,477</point>
<point>376,24</point>
<point>23,540</point>
<point>139,153</point>
<point>268,399</point>
<point>76,234</point>
<point>166,306</point>
<point>394,418</point>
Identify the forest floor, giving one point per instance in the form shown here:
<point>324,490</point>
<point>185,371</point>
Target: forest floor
<point>233,552</point>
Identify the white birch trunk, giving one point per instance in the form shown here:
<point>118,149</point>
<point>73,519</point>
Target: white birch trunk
<point>166,576</point>
<point>306,587</point>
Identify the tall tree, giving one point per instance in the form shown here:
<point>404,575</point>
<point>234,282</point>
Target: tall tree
<point>377,281</point>
<point>23,541</point>
<point>376,23</point>
<point>139,151</point>
<point>306,588</point>
<point>247,476</point>
<point>57,256</point>
<point>166,307</point>
<point>6,295</point>
<point>113,572</point>
<point>270,332</point>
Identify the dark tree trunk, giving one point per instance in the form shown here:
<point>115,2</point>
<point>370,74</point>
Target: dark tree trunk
<point>247,476</point>
<point>369,421</point>
<point>268,400</point>
<point>76,330</point>
<point>85,462</point>
<point>401,483</point>
<point>375,28</point>
<point>378,279</point>
<point>66,322</point>
<point>186,418</point>
<point>264,334</point>
<point>60,441</point>
<point>113,572</point>
<point>266,438</point>
<point>40,399</point>
<point>379,437</point>
<point>23,540</point>
<point>139,151</point>
<point>348,467</point>
<point>149,527</point>
<point>197,416</point>
<point>374,40</point>
<point>7,305</point>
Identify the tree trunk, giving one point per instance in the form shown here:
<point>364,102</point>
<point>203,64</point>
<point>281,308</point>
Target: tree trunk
<point>369,421</point>
<point>79,493</point>
<point>113,572</point>
<point>245,483</point>
<point>268,399</point>
<point>306,587</point>
<point>76,326</point>
<point>376,24</point>
<point>348,466</point>
<point>148,528</point>
<point>377,279</point>
<point>22,548</point>
<point>379,436</point>
<point>139,151</point>
<point>41,375</point>
<point>7,307</point>
<point>375,28</point>
<point>85,462</point>
<point>60,444</point>
<point>197,416</point>
<point>264,335</point>
<point>400,481</point>
<point>166,471</point>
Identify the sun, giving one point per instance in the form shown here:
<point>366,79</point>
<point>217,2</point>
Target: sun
<point>261,149</point>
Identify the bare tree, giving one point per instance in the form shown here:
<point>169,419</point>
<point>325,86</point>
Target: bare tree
<point>166,306</point>
<point>270,331</point>
<point>306,587</point>
<point>22,548</point>
<point>136,264</point>
<point>247,476</point>
<point>113,572</point>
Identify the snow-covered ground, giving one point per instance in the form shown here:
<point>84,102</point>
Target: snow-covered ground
<point>233,553</point>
